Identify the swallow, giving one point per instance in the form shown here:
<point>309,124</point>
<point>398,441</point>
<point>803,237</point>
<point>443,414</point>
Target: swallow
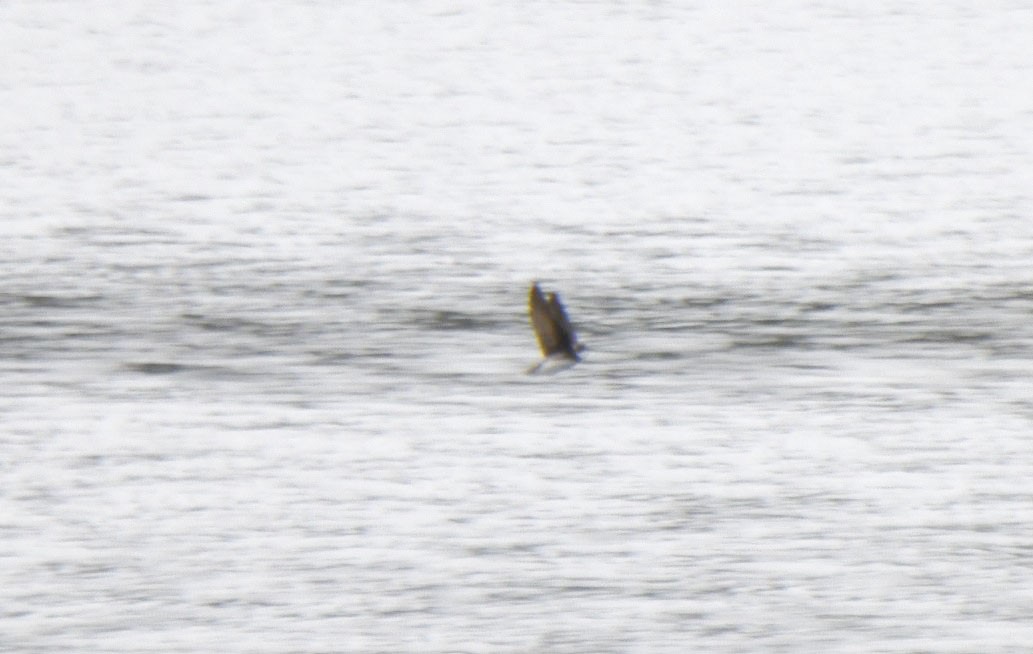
<point>556,336</point>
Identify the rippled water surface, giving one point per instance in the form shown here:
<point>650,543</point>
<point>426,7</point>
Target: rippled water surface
<point>263,335</point>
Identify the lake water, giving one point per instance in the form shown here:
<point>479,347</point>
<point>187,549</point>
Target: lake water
<point>263,332</point>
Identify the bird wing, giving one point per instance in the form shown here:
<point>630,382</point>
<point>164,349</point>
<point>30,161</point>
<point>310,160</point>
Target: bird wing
<point>562,321</point>
<point>550,339</point>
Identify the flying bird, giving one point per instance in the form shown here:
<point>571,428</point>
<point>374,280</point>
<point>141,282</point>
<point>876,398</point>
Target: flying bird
<point>551,325</point>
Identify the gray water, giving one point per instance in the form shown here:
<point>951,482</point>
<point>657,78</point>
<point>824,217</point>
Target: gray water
<point>263,335</point>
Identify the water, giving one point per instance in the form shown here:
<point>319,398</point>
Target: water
<point>263,332</point>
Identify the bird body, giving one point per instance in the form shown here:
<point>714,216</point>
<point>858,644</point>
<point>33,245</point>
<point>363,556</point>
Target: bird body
<point>556,336</point>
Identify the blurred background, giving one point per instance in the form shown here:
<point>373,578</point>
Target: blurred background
<point>263,330</point>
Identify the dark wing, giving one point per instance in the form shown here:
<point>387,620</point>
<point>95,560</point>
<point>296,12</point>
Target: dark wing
<point>562,322</point>
<point>550,337</point>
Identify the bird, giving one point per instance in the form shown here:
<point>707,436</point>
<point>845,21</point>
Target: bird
<point>555,335</point>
